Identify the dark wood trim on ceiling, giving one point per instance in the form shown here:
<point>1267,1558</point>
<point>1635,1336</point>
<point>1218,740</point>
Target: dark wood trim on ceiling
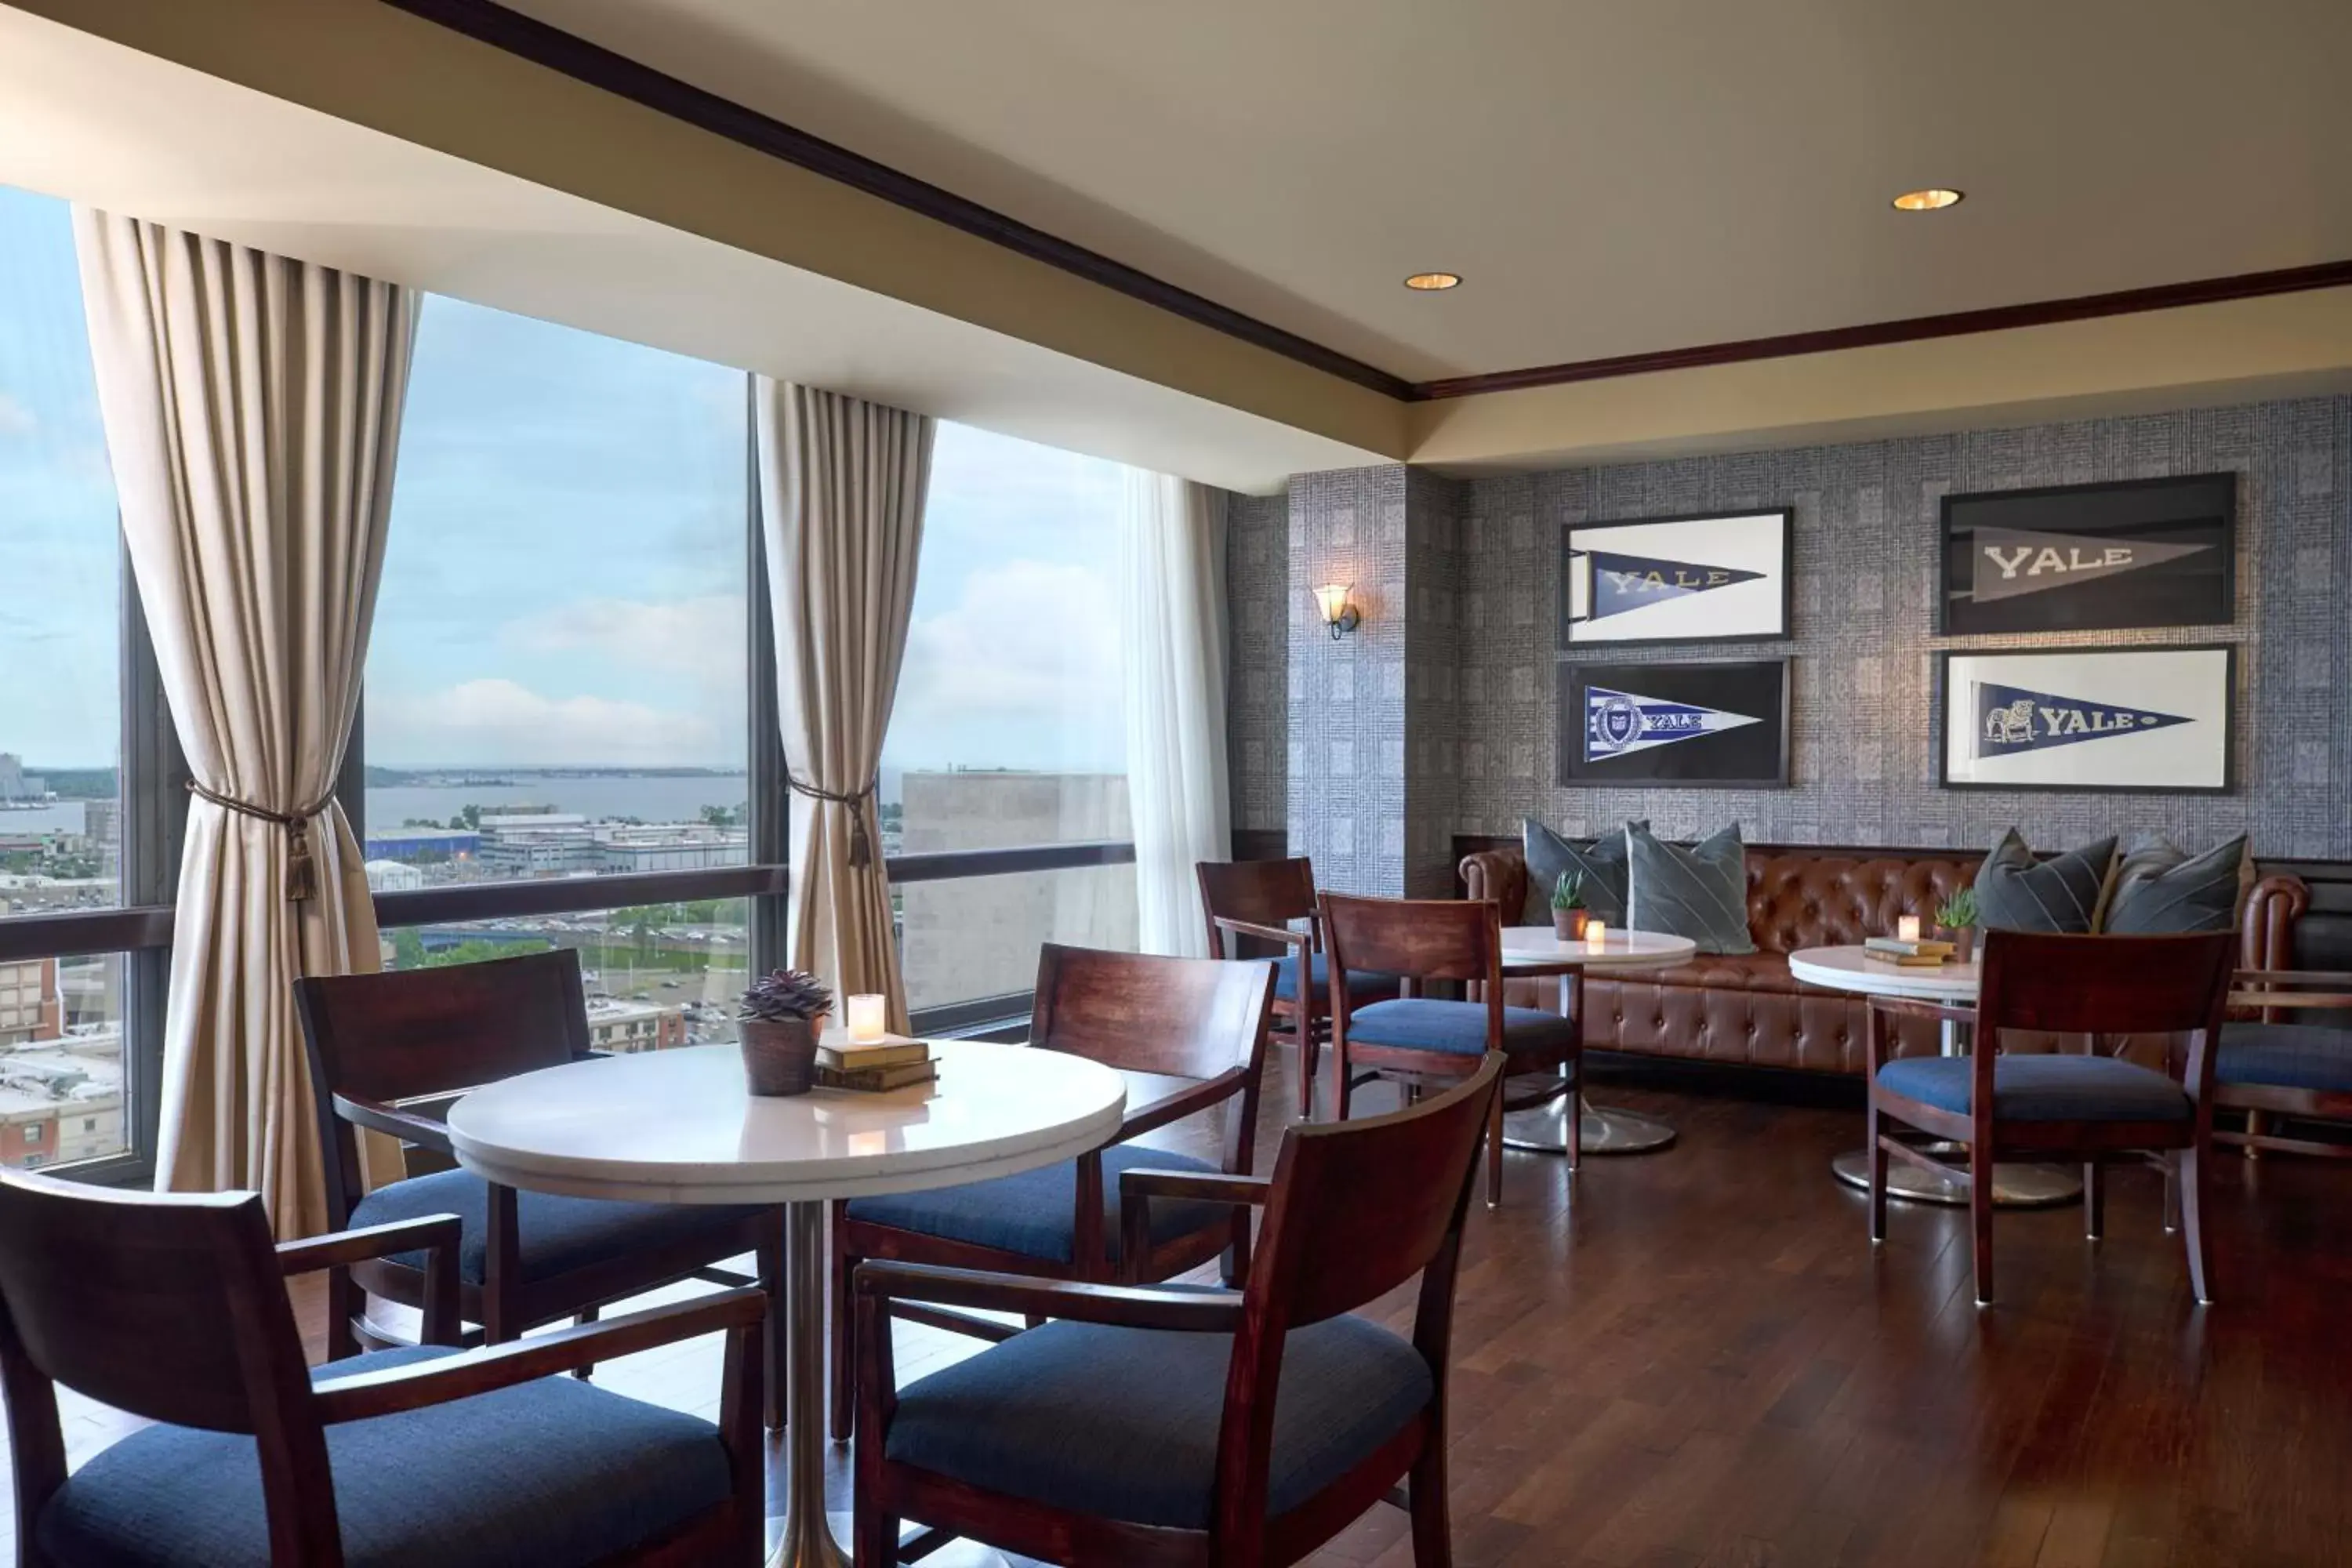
<point>569,54</point>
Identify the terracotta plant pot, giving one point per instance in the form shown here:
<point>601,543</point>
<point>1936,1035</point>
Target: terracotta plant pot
<point>780,1055</point>
<point>1568,924</point>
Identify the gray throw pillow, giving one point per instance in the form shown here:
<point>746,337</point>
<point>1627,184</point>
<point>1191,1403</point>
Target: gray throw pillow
<point>2017,892</point>
<point>1600,861</point>
<point>2162,890</point>
<point>1700,892</point>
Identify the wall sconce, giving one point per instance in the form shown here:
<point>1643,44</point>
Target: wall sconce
<point>1338,614</point>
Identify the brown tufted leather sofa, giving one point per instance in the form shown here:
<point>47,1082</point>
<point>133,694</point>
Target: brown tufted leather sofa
<point>1748,1010</point>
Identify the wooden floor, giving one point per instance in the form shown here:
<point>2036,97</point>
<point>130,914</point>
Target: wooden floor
<point>1700,1360</point>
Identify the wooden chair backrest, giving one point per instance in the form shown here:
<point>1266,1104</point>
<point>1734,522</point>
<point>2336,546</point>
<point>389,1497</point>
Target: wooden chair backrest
<point>2105,985</point>
<point>1262,892</point>
<point>409,1033</point>
<point>1185,1017</point>
<point>1424,939</point>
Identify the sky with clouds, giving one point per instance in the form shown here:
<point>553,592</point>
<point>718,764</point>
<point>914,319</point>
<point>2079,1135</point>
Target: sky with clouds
<point>564,577</point>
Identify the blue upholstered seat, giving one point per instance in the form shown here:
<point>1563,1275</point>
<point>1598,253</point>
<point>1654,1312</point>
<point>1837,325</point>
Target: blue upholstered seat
<point>552,1473</point>
<point>2286,1055</point>
<point>1122,1422</point>
<point>554,1235</point>
<point>1425,1024</point>
<point>2055,1087</point>
<point>1363,985</point>
<point>1035,1212</point>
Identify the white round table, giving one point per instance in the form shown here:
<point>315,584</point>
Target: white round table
<point>677,1126</point>
<point>1953,984</point>
<point>1541,1128</point>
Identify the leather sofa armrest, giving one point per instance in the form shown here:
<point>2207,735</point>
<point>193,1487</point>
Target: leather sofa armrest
<point>2266,931</point>
<point>1500,875</point>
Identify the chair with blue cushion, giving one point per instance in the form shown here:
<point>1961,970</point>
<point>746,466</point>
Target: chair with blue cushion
<point>175,1309</point>
<point>1190,1034</point>
<point>389,1053</point>
<point>2290,1061</point>
<point>1419,1040</point>
<point>1272,903</point>
<point>1189,1427</point>
<point>2093,1107</point>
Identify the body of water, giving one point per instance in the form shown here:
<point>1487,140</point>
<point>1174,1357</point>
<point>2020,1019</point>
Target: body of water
<point>62,815</point>
<point>648,799</point>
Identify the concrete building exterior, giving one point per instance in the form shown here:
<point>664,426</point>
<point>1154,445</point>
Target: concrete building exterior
<point>628,1027</point>
<point>31,1007</point>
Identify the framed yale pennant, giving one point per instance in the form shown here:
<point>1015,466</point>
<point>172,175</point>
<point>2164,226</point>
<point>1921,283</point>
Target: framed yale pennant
<point>2142,719</point>
<point>1720,724</point>
<point>2079,558</point>
<point>1716,577</point>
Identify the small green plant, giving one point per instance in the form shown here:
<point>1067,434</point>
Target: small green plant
<point>1568,892</point>
<point>785,995</point>
<point>1959,912</point>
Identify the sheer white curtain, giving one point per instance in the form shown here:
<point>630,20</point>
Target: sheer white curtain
<point>843,484</point>
<point>1172,599</point>
<point>252,407</point>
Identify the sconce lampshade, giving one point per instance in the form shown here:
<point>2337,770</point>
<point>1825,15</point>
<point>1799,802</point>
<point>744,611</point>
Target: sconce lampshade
<point>1338,614</point>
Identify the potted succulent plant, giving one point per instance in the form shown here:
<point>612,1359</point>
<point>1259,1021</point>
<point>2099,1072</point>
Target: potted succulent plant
<point>1956,919</point>
<point>780,1017</point>
<point>1568,912</point>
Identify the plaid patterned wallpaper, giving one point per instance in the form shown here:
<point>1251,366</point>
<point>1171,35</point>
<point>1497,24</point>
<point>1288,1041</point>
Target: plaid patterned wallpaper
<point>1258,605</point>
<point>1461,684</point>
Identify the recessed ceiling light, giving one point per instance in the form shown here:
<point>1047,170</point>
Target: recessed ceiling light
<point>1926,201</point>
<point>1430,282</point>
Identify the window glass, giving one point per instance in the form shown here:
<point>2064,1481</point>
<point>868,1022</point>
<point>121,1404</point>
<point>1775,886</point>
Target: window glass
<point>1010,726</point>
<point>555,681</point>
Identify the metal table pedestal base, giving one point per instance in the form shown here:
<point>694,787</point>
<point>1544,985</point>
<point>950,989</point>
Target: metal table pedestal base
<point>1542,1129</point>
<point>2014,1186</point>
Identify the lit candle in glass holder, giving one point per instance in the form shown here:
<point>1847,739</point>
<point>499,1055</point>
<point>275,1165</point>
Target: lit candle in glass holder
<point>865,1020</point>
<point>1906,928</point>
<point>1596,936</point>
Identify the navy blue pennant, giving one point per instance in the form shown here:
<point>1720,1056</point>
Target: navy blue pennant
<point>2012,719</point>
<point>1622,582</point>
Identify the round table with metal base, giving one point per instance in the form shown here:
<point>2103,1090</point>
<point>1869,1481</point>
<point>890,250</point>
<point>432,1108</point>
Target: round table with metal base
<point>1954,984</point>
<point>1537,1123</point>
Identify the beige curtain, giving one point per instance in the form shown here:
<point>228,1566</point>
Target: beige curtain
<point>842,488</point>
<point>252,407</point>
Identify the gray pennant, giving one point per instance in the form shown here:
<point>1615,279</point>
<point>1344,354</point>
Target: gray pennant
<point>2008,562</point>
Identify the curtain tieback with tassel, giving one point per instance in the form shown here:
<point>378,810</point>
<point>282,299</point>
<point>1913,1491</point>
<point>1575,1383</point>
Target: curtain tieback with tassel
<point>302,876</point>
<point>861,851</point>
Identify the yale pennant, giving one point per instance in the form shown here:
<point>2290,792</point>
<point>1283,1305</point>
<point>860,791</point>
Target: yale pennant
<point>2010,562</point>
<point>2010,720</point>
<point>1622,582</point>
<point>1617,723</point>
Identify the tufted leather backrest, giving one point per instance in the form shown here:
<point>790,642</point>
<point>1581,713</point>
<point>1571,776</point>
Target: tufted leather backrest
<point>1824,900</point>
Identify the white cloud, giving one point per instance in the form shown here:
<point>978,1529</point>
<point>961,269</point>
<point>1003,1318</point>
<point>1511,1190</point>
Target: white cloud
<point>697,637</point>
<point>1022,671</point>
<point>15,419</point>
<point>489,722</point>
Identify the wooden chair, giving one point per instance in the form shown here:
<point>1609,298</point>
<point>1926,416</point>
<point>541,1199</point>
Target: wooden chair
<point>2091,1107</point>
<point>1190,1018</point>
<point>1269,901</point>
<point>1140,1427</point>
<point>2284,1062</point>
<point>174,1309</point>
<point>1416,1040</point>
<point>390,1053</point>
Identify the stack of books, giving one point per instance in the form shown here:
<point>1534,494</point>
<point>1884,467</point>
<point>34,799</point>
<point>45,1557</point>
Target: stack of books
<point>1921,953</point>
<point>873,1066</point>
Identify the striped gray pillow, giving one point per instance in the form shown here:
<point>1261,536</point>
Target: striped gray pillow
<point>2017,892</point>
<point>1600,861</point>
<point>2161,890</point>
<point>1700,892</point>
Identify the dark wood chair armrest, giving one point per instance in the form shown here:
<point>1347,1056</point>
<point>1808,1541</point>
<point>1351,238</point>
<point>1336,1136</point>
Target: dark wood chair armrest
<point>1304,941</point>
<point>426,1234</point>
<point>2335,977</point>
<point>1137,1188</point>
<point>1124,1306</point>
<point>359,1396</point>
<point>1915,1008</point>
<point>2287,1001</point>
<point>1186,1102</point>
<point>395,1122</point>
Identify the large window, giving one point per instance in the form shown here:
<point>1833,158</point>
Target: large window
<point>62,1012</point>
<point>1010,729</point>
<point>555,682</point>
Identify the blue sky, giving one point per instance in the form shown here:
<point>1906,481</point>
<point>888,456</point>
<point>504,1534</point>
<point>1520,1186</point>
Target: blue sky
<point>566,572</point>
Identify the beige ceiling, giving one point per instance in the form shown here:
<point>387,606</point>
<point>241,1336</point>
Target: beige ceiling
<point>1611,177</point>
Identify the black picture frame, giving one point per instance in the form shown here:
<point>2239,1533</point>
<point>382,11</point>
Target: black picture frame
<point>2080,590</point>
<point>2056,658</point>
<point>1753,755</point>
<point>1781,520</point>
